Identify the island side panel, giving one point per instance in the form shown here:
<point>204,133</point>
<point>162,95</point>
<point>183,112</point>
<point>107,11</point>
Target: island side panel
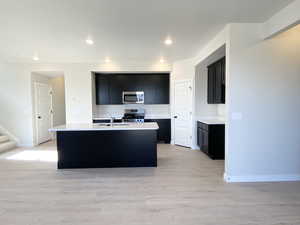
<point>106,149</point>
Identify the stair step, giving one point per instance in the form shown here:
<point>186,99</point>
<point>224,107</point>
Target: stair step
<point>3,138</point>
<point>5,146</point>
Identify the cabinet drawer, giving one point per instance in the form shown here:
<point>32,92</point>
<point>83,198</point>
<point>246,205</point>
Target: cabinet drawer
<point>202,125</point>
<point>101,121</point>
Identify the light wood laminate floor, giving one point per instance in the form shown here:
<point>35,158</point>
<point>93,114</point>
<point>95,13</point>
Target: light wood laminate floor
<point>186,188</point>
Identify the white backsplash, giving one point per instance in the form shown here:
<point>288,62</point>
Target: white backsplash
<point>104,111</point>
<point>221,110</point>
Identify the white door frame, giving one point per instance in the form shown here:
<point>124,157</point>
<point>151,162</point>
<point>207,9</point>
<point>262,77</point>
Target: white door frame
<point>36,84</point>
<point>191,108</point>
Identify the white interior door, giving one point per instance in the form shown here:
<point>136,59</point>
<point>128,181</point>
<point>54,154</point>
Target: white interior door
<point>182,113</point>
<point>43,101</point>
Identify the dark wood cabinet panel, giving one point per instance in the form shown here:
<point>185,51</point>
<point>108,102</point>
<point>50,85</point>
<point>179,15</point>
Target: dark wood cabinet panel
<point>223,80</point>
<point>149,89</point>
<point>211,85</point>
<point>109,87</point>
<point>162,94</point>
<point>216,82</point>
<point>117,83</point>
<point>102,90</point>
<point>211,139</point>
<point>164,132</point>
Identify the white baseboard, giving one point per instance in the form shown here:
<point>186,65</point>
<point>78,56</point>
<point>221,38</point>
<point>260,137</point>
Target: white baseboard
<point>22,145</point>
<point>261,178</point>
<point>195,147</point>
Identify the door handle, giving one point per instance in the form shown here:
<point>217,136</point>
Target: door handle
<point>39,117</point>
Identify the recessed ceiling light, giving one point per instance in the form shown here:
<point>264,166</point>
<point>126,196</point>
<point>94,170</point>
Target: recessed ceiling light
<point>36,58</point>
<point>168,41</point>
<point>161,60</point>
<point>107,60</point>
<point>89,41</point>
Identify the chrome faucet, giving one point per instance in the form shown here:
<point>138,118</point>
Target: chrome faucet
<point>112,119</point>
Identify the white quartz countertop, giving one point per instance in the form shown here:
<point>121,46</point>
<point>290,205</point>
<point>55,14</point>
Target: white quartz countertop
<point>146,117</point>
<point>212,120</point>
<point>105,126</point>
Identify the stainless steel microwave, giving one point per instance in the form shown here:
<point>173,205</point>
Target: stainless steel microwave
<point>133,97</point>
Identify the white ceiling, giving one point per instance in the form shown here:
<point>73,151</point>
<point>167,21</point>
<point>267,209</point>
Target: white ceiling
<point>121,29</point>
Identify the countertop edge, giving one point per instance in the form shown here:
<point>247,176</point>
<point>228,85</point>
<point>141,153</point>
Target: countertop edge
<point>93,127</point>
<point>212,120</point>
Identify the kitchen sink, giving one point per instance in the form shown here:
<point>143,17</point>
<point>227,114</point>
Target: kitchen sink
<point>112,124</point>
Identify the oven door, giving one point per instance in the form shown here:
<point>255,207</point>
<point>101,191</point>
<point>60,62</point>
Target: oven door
<point>133,97</point>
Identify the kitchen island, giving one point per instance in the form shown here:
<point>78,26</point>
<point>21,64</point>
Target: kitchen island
<point>106,145</point>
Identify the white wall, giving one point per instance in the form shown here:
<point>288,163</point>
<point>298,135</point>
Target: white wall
<point>16,94</point>
<point>15,102</point>
<point>264,88</point>
<point>216,43</point>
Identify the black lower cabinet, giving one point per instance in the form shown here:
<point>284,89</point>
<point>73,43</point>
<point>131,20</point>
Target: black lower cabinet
<point>211,139</point>
<point>164,132</point>
<point>106,149</point>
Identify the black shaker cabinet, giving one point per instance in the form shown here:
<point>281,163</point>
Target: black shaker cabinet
<point>164,131</point>
<point>216,82</point>
<point>109,87</point>
<point>102,90</point>
<point>211,139</point>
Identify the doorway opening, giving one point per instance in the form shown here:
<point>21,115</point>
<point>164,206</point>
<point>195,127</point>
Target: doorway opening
<point>210,108</point>
<point>48,98</point>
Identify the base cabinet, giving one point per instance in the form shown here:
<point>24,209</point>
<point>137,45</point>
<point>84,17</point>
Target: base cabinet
<point>164,132</point>
<point>211,139</point>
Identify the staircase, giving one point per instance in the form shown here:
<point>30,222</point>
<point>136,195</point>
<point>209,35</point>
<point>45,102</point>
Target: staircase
<point>6,144</point>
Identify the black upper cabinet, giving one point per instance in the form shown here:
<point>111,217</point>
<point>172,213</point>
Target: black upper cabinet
<point>216,82</point>
<point>211,84</point>
<point>117,85</point>
<point>109,87</point>
<point>102,90</point>
<point>162,93</point>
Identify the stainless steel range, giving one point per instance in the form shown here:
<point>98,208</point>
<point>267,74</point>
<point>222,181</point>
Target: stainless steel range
<point>134,115</point>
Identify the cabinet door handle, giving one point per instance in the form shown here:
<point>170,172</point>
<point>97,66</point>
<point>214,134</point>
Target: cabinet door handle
<point>175,117</point>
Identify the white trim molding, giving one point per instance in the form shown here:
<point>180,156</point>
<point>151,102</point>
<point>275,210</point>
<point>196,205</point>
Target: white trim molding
<point>261,178</point>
